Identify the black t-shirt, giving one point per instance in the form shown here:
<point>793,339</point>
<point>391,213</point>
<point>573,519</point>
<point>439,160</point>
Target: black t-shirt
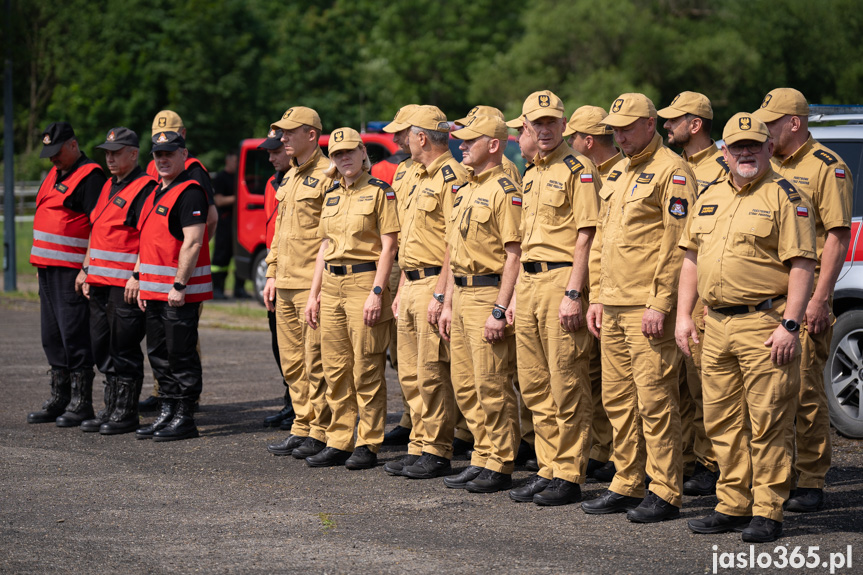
<point>138,201</point>
<point>189,209</point>
<point>86,195</point>
<point>225,184</point>
<point>200,175</point>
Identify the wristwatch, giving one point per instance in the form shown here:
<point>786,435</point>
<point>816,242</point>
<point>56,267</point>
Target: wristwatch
<point>377,290</point>
<point>790,325</point>
<point>498,313</point>
<point>572,294</point>
<point>136,276</point>
<point>438,297</point>
<point>179,287</point>
<point>86,270</point>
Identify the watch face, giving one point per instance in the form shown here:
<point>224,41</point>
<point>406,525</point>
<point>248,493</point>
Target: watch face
<point>378,290</point>
<point>497,313</point>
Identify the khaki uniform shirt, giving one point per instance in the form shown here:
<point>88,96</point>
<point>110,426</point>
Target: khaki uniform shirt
<point>605,167</point>
<point>403,180</point>
<point>825,181</point>
<point>645,202</point>
<point>560,198</point>
<point>745,238</point>
<point>708,165</point>
<point>355,217</point>
<point>295,238</point>
<point>511,170</point>
<point>427,211</point>
<point>486,215</point>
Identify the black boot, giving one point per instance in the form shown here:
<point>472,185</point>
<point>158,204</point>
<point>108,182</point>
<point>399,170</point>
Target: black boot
<point>168,407</point>
<point>80,408</point>
<point>60,395</point>
<point>124,418</point>
<point>284,416</point>
<point>219,285</point>
<point>182,426</point>
<point>92,425</point>
<point>397,436</point>
<point>240,288</point>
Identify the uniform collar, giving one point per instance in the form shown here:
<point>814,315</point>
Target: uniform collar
<point>361,181</point>
<point>436,164</point>
<point>801,151</point>
<point>133,175</point>
<point>488,174</point>
<point>766,176</point>
<point>606,165</point>
<point>694,159</point>
<point>647,153</point>
<point>556,155</point>
<point>313,159</point>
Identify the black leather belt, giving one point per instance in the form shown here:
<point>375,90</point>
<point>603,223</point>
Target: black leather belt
<point>354,269</point>
<point>476,281</point>
<point>739,309</point>
<point>536,267</point>
<point>419,274</point>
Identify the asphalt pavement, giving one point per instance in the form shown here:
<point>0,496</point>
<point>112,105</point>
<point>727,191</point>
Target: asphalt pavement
<point>74,502</point>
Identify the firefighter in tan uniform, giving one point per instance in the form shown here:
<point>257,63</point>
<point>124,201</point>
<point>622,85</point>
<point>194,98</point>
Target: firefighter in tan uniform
<point>402,180</point>
<point>825,180</point>
<point>750,253</point>
<point>689,118</point>
<point>350,299</point>
<point>291,264</point>
<point>588,136</point>
<point>424,363</point>
<point>483,240</point>
<point>645,203</point>
<point>554,345</point>
<point>509,167</point>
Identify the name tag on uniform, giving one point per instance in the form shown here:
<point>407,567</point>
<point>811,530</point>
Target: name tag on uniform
<point>333,200</point>
<point>119,201</point>
<point>708,209</point>
<point>62,188</point>
<point>161,210</point>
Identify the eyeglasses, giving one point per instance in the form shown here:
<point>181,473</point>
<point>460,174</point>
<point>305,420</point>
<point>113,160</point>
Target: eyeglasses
<point>753,148</point>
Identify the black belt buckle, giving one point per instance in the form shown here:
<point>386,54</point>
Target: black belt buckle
<point>337,270</point>
<point>477,281</point>
<point>419,274</point>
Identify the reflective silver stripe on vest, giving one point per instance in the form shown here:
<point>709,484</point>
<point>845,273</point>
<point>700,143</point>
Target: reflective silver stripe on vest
<point>110,272</point>
<point>165,288</point>
<point>113,256</point>
<point>56,255</point>
<point>169,271</point>
<point>61,240</point>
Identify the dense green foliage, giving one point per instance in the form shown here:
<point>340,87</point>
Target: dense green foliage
<point>230,67</point>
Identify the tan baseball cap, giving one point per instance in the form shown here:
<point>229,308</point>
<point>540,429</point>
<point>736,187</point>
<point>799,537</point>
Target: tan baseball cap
<point>744,126</point>
<point>781,102</point>
<point>516,123</point>
<point>478,125</point>
<point>298,116</point>
<point>479,111</point>
<point>628,108</point>
<point>688,103</point>
<point>399,123</point>
<point>542,104</point>
<point>587,120</point>
<point>344,139</point>
<point>429,118</point>
<point>167,121</point>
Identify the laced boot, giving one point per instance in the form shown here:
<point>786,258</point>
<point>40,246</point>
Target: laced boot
<point>80,408</point>
<point>124,418</point>
<point>168,407</point>
<point>182,426</point>
<point>60,395</point>
<point>103,414</point>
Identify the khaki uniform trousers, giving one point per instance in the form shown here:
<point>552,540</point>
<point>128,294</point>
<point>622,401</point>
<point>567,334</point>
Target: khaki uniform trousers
<point>640,391</point>
<point>554,375</point>
<point>424,372</point>
<point>696,444</point>
<point>395,278</point>
<point>600,426</point>
<point>300,356</point>
<point>482,379</point>
<point>749,412</point>
<point>354,361</point>
<point>812,456</point>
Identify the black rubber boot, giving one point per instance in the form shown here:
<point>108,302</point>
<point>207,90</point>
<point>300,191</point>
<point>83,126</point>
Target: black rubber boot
<point>60,394</point>
<point>168,407</point>
<point>283,417</point>
<point>80,408</point>
<point>182,426</point>
<point>93,425</point>
<point>124,418</point>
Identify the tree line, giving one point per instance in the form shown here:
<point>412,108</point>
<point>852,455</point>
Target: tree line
<point>230,67</point>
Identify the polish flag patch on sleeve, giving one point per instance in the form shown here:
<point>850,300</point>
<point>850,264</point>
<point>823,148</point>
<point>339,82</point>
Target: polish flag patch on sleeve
<point>802,211</point>
<point>391,195</point>
<point>586,178</point>
<point>840,173</point>
<point>516,200</point>
<point>679,180</point>
<point>196,213</point>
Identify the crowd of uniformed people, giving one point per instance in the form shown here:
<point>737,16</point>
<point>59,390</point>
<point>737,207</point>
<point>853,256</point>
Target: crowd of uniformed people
<point>618,311</point>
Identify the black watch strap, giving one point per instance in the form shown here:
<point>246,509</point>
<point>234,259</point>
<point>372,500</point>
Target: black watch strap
<point>136,276</point>
<point>179,287</point>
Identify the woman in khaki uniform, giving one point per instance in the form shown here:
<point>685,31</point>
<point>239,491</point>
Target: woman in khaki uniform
<point>359,225</point>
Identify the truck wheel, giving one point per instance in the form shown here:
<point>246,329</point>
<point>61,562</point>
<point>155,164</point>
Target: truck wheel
<point>259,274</point>
<point>843,375</point>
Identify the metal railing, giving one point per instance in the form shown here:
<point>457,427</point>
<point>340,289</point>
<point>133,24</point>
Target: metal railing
<point>25,197</point>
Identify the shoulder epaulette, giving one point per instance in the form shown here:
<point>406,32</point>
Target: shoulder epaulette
<point>527,168</point>
<point>721,161</point>
<point>334,187</point>
<point>574,165</point>
<point>507,186</point>
<point>379,183</point>
<point>825,157</point>
<point>448,174</point>
<point>790,190</point>
<point>704,189</point>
